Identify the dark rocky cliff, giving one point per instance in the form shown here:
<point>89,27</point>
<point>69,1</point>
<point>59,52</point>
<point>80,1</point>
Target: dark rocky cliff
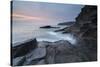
<point>85,21</point>
<point>85,29</point>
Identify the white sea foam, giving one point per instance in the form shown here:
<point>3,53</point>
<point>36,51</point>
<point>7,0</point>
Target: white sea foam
<point>40,34</point>
<point>53,36</point>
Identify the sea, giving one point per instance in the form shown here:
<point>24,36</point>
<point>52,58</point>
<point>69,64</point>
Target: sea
<point>23,31</point>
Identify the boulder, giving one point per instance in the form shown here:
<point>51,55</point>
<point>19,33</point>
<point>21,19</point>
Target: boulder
<point>24,48</point>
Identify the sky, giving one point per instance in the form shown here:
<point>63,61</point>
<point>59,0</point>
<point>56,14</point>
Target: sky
<point>44,13</point>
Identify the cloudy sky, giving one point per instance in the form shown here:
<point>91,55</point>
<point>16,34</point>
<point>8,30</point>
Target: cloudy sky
<point>40,12</point>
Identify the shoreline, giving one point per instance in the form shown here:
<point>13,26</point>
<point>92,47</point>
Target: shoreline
<point>48,53</point>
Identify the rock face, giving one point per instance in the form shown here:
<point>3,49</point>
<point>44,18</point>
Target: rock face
<point>28,53</point>
<point>48,27</point>
<point>85,21</point>
<point>85,28</point>
<point>62,52</point>
<point>24,48</point>
<point>49,53</point>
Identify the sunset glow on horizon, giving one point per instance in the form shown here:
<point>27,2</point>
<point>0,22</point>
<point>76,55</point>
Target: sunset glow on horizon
<point>25,17</point>
<point>28,18</point>
<point>44,13</point>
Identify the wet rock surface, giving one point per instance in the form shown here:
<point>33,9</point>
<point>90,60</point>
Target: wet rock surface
<point>32,57</point>
<point>55,52</point>
<point>24,48</point>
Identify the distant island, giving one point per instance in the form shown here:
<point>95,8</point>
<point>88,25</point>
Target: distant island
<point>67,23</point>
<point>48,26</point>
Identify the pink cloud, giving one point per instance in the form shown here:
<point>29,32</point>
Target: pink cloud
<point>26,17</point>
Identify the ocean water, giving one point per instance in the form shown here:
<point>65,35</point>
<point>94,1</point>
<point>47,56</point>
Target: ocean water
<point>22,31</point>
